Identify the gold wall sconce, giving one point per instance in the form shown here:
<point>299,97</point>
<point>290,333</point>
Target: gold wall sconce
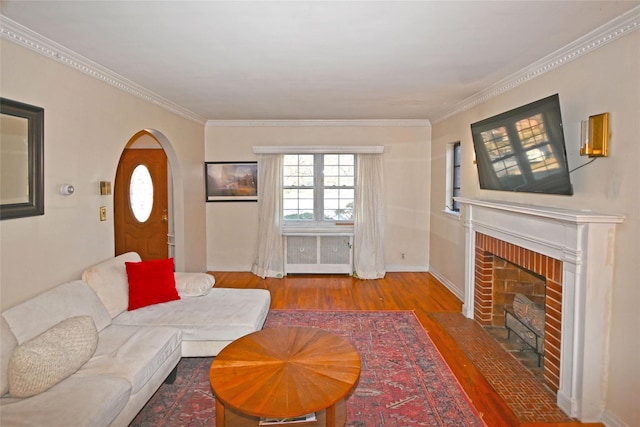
<point>594,136</point>
<point>105,188</point>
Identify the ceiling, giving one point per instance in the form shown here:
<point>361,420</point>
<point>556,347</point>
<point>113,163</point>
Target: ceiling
<point>314,60</point>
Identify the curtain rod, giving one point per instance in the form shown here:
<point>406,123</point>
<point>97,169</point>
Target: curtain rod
<point>333,149</point>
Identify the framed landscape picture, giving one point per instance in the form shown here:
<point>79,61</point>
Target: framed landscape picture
<point>231,181</point>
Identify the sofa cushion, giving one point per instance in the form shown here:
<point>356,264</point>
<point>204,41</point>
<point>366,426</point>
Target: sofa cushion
<point>133,353</point>
<point>36,315</point>
<point>194,284</point>
<point>8,343</point>
<point>47,359</point>
<point>109,280</point>
<point>151,282</point>
<point>76,401</point>
<point>222,315</point>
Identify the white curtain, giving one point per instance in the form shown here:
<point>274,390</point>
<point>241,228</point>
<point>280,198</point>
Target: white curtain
<point>269,260</point>
<point>368,257</point>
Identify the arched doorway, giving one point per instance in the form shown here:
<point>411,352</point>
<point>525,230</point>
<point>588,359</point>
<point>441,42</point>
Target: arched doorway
<point>143,214</point>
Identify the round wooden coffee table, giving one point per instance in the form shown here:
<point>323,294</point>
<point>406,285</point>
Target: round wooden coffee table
<point>284,372</point>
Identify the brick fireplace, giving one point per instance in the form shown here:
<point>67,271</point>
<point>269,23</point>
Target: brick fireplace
<point>489,253</point>
<point>573,251</point>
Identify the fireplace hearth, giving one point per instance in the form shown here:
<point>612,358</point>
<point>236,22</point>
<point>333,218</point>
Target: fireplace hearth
<point>573,251</point>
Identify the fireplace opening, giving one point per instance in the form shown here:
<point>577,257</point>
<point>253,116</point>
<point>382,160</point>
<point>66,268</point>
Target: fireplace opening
<point>494,258</point>
<point>518,314</point>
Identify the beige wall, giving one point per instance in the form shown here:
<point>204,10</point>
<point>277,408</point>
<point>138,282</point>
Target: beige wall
<point>87,125</point>
<point>606,80</point>
<point>232,227</point>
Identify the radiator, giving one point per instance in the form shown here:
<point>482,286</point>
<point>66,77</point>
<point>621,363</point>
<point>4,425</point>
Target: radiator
<point>325,253</point>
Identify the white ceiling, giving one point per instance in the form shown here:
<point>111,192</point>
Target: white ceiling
<point>322,60</point>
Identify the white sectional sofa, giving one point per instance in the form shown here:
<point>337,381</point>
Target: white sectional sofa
<point>103,360</point>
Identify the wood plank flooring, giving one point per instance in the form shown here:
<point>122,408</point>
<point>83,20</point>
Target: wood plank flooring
<point>419,292</point>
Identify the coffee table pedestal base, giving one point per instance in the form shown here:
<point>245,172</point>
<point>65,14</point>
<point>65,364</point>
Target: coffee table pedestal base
<point>234,418</point>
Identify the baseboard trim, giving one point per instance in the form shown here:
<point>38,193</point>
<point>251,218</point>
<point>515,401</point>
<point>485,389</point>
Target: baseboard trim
<point>397,268</point>
<point>611,420</point>
<point>459,293</point>
<point>232,268</point>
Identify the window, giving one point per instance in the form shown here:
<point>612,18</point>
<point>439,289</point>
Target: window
<point>318,188</point>
<point>453,177</point>
<point>141,193</point>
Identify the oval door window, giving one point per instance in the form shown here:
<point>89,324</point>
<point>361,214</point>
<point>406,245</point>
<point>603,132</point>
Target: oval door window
<point>141,193</point>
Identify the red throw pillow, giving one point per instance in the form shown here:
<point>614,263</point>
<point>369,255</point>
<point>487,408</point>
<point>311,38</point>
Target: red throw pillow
<point>151,282</point>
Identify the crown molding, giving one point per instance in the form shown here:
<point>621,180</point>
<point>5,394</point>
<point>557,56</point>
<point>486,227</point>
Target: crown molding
<point>320,123</point>
<point>611,31</point>
<point>319,149</point>
<point>19,34</point>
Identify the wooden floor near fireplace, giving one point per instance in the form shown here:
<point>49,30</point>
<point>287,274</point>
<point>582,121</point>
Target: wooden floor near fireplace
<point>431,301</point>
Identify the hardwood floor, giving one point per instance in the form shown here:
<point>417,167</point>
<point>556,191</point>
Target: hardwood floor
<point>419,292</point>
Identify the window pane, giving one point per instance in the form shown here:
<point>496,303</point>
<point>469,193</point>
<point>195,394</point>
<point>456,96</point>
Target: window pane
<point>290,204</point>
<point>306,194</point>
<point>305,170</point>
<point>306,181</point>
<point>331,181</point>
<point>289,193</point>
<point>291,159</point>
<point>331,170</point>
<point>290,181</point>
<point>141,193</point>
<point>331,159</point>
<point>331,204</point>
<point>347,181</point>
<point>454,189</point>
<point>338,214</point>
<point>331,194</point>
<point>306,204</point>
<point>456,154</point>
<point>347,159</point>
<point>347,193</point>
<point>347,170</point>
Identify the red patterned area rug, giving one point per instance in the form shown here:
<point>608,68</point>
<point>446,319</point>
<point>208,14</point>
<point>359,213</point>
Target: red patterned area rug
<point>404,380</point>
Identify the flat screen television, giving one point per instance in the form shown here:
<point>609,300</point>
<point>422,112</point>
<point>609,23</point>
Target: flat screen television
<point>523,150</point>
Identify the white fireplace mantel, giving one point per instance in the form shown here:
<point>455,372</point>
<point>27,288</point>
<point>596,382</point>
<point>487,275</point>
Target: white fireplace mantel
<point>584,242</point>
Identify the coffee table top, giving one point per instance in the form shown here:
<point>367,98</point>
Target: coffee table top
<point>285,372</point>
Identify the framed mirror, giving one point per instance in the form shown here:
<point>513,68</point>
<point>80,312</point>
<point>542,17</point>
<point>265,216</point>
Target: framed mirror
<point>21,160</point>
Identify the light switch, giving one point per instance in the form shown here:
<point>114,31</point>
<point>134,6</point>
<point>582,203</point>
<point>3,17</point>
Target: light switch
<point>103,213</point>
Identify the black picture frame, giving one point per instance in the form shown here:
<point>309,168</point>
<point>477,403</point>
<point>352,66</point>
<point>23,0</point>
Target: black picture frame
<point>21,196</point>
<point>231,181</point>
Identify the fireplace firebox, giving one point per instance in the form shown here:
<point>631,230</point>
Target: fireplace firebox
<point>487,248</point>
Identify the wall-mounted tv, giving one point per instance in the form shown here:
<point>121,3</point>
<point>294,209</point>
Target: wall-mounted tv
<point>523,150</point>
